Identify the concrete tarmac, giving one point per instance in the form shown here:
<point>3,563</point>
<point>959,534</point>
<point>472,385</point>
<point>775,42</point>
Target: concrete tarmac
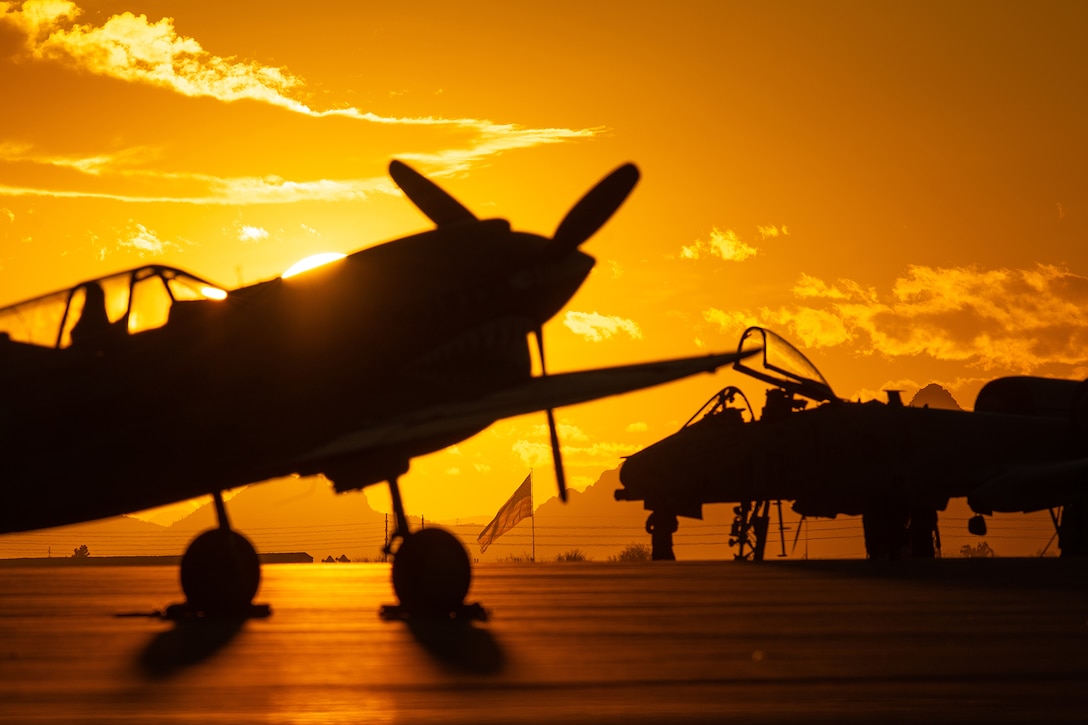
<point>954,640</point>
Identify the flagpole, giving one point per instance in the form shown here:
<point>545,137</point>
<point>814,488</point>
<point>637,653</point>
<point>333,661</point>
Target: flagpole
<point>532,512</point>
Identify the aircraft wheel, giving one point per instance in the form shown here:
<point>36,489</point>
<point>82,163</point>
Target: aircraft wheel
<point>220,572</point>
<point>431,572</point>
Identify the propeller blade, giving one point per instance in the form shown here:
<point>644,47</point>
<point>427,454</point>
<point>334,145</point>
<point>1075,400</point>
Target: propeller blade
<point>429,197</point>
<point>594,209</point>
<point>557,457</point>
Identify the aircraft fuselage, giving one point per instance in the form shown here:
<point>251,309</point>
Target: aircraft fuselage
<point>841,458</point>
<point>256,386</point>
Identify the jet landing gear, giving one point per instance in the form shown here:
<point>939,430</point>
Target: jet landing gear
<point>220,574</point>
<point>749,530</point>
<point>431,572</point>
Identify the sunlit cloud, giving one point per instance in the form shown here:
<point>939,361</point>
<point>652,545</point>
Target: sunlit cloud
<point>1014,319</point>
<point>730,323</point>
<point>725,245</point>
<point>637,427</point>
<point>7,214</point>
<point>532,453</point>
<point>489,139</point>
<point>117,162</point>
<point>538,453</point>
<point>214,190</point>
<point>145,241</point>
<point>812,327</point>
<point>567,432</point>
<point>596,327</point>
<point>249,233</point>
<point>773,231</point>
<point>133,49</point>
<point>844,289</point>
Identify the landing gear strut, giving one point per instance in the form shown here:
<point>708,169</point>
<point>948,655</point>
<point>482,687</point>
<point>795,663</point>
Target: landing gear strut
<point>749,531</point>
<point>220,572</point>
<point>431,571</point>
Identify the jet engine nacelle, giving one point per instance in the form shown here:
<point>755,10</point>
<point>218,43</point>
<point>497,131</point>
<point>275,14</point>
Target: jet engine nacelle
<point>1025,395</point>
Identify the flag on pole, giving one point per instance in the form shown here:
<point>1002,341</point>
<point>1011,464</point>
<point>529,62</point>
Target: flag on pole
<point>518,507</point>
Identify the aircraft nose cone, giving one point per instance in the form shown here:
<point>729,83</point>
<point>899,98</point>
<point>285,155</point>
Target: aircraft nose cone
<point>549,286</point>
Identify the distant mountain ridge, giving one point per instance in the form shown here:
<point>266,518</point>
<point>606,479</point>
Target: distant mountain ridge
<point>934,396</point>
<point>291,514</point>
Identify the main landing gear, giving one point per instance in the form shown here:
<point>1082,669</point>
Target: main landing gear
<point>431,571</point>
<point>748,534</point>
<point>220,574</point>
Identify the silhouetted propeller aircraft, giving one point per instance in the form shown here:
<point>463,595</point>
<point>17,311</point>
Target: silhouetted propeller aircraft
<point>153,386</point>
<point>1022,448</point>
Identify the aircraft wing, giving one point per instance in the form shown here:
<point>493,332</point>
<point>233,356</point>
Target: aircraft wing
<point>540,393</point>
<point>1032,488</point>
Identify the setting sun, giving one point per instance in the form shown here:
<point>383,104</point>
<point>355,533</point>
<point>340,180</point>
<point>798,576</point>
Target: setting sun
<point>311,262</point>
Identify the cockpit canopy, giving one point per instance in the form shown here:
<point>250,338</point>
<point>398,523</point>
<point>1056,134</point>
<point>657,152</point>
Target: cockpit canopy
<point>137,300</point>
<point>783,365</point>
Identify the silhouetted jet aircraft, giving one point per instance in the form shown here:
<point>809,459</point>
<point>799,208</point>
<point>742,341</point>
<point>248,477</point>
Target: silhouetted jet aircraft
<point>153,386</point>
<point>1020,449</point>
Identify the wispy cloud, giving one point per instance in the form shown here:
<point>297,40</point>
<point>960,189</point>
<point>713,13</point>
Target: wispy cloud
<point>730,322</point>
<point>1014,319</point>
<point>537,453</point>
<point>144,241</point>
<point>597,327</point>
<point>567,432</point>
<point>195,188</point>
<point>725,245</point>
<point>247,233</point>
<point>133,49</point>
<point>773,231</point>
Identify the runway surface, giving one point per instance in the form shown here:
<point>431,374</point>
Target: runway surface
<point>994,640</point>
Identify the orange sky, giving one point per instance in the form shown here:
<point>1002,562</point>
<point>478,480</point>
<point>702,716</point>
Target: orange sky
<point>898,188</point>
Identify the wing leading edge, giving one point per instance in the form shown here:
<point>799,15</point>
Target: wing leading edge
<point>540,393</point>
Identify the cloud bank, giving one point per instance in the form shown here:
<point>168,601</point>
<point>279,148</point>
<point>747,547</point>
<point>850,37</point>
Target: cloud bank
<point>1015,319</point>
<point>133,49</point>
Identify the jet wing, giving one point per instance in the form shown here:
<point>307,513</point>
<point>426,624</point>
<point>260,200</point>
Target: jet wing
<point>1032,488</point>
<point>540,393</point>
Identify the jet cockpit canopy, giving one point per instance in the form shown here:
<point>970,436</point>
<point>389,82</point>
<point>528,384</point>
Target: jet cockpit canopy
<point>783,366</point>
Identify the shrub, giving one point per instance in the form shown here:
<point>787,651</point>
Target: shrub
<point>633,552</point>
